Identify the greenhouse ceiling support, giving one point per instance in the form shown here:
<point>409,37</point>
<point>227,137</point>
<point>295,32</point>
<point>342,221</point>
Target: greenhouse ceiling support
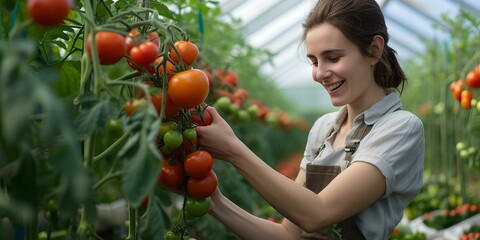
<point>270,15</point>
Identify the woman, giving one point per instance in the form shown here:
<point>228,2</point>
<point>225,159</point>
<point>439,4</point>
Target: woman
<point>346,42</point>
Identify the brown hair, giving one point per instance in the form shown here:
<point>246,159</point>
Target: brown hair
<point>360,21</point>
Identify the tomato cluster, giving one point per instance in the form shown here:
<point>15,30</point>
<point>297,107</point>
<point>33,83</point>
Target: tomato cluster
<point>463,89</point>
<point>446,218</point>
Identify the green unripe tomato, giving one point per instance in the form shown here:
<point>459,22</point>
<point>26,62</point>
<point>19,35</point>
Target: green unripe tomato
<point>197,207</point>
<point>52,205</point>
<point>253,111</point>
<point>460,146</point>
<point>165,127</point>
<point>464,153</point>
<point>190,134</point>
<point>173,139</point>
<point>223,104</point>
<point>234,108</point>
<point>243,115</point>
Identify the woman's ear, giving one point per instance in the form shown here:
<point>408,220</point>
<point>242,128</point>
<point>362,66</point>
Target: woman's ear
<point>376,47</point>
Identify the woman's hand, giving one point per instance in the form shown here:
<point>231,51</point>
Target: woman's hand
<point>218,138</point>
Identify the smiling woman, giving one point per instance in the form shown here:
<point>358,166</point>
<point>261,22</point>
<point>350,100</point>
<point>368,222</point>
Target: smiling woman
<point>362,164</point>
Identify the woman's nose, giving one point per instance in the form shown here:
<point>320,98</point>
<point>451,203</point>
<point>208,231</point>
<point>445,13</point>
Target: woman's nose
<point>320,72</point>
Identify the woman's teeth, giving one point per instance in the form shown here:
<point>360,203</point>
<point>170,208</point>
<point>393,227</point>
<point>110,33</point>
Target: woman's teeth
<point>335,85</point>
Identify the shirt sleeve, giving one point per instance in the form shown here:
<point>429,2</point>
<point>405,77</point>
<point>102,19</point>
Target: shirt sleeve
<point>396,147</point>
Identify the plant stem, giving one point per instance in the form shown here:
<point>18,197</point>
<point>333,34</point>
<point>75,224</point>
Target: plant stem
<point>112,148</point>
<point>132,219</point>
<point>106,179</point>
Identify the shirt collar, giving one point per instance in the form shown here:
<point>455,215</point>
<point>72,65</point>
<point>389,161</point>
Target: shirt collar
<point>391,102</point>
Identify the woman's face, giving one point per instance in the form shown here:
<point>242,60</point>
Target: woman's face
<point>339,66</point>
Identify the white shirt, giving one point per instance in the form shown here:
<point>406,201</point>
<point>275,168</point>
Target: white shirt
<point>395,145</point>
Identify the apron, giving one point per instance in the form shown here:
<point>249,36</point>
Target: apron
<point>319,176</point>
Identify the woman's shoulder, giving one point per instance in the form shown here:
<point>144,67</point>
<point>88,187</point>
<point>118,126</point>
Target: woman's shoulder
<point>403,117</point>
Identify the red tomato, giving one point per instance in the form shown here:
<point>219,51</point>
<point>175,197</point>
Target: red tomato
<point>171,176</point>
<point>48,12</point>
<point>134,39</point>
<point>198,164</point>
<point>144,54</point>
<point>229,77</point>
<point>202,187</point>
<point>110,47</point>
<point>201,117</point>
<point>170,110</point>
<point>473,79</point>
<point>188,52</point>
<point>241,94</point>
<point>188,89</point>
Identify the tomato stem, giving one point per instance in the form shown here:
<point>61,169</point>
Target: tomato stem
<point>132,219</point>
<point>112,148</point>
<point>107,178</point>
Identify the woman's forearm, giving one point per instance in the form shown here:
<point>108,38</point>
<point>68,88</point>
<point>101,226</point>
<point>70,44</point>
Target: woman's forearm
<point>243,224</point>
<point>298,204</point>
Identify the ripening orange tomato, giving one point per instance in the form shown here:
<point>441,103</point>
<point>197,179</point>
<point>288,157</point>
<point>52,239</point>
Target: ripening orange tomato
<point>188,89</point>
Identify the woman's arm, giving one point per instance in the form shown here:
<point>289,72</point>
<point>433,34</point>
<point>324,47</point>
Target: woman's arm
<point>353,190</point>
<point>246,225</point>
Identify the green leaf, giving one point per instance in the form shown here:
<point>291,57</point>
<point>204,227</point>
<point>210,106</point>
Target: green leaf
<point>141,168</point>
<point>163,10</point>
<point>94,118</point>
<point>157,220</point>
<point>69,82</point>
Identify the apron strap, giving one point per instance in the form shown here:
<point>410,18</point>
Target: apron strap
<point>352,144</point>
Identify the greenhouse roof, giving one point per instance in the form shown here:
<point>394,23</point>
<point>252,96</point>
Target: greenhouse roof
<point>275,25</point>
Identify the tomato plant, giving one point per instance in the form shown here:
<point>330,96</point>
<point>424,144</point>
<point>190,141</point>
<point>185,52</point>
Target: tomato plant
<point>198,164</point>
<point>171,176</point>
<point>110,47</point>
<point>188,52</point>
<point>48,12</point>
<point>202,187</point>
<point>197,207</point>
<point>188,89</point>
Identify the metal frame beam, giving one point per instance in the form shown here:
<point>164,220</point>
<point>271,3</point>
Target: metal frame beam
<point>230,5</point>
<point>268,16</point>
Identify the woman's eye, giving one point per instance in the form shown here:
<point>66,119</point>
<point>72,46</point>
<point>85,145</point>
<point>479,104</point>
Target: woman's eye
<point>333,59</point>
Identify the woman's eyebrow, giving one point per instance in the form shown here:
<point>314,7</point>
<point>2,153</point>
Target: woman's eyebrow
<point>326,52</point>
